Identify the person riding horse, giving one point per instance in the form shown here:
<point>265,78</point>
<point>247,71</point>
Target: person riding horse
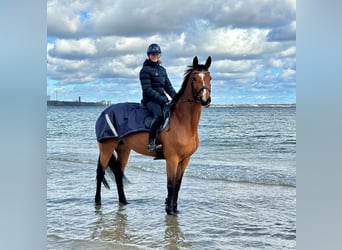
<point>179,138</point>
<point>154,83</point>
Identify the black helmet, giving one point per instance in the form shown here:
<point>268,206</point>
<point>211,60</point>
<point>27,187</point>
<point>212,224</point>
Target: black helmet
<point>153,48</point>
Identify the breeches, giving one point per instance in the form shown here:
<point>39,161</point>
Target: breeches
<point>155,109</point>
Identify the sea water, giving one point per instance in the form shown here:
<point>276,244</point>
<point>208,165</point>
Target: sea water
<point>238,191</point>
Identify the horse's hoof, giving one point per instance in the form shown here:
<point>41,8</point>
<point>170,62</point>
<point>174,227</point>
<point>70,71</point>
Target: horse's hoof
<point>97,201</point>
<point>123,202</point>
<point>170,211</point>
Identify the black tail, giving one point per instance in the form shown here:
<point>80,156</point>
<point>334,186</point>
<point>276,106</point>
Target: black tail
<point>115,170</point>
<point>105,183</point>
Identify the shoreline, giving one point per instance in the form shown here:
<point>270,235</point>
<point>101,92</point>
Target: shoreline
<point>75,103</point>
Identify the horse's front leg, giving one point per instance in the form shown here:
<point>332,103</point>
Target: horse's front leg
<point>175,173</point>
<point>170,202</point>
<point>171,170</point>
<point>180,171</point>
<point>175,197</point>
<point>172,195</point>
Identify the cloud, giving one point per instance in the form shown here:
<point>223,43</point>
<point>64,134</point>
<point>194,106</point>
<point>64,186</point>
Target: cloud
<point>101,45</point>
<point>283,33</point>
<point>74,49</point>
<point>250,13</point>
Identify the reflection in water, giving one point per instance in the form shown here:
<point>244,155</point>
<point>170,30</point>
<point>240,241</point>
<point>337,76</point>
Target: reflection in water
<point>116,227</point>
<point>111,226</point>
<point>173,236</point>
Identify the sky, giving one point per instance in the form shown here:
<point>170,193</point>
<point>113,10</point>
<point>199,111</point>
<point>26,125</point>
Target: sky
<point>95,49</point>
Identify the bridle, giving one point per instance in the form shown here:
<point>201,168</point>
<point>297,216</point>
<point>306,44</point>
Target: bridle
<point>197,93</point>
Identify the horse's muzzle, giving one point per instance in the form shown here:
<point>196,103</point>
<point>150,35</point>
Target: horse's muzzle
<point>206,103</point>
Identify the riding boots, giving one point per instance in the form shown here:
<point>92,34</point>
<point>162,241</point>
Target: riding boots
<point>153,133</point>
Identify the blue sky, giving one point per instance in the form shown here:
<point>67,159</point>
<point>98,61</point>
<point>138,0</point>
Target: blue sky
<point>95,49</point>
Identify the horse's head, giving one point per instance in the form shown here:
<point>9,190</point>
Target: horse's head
<point>201,86</point>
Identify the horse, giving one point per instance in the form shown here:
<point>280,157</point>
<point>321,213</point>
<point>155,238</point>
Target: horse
<point>179,138</point>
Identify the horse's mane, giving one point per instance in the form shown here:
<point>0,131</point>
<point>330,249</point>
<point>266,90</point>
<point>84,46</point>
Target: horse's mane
<point>187,74</point>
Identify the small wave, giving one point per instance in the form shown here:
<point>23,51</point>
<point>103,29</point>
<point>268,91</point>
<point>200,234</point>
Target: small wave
<point>289,142</point>
<point>274,179</point>
<point>248,180</point>
<point>72,200</point>
<point>72,160</point>
<point>57,242</point>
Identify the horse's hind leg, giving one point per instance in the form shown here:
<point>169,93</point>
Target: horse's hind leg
<point>115,166</point>
<point>106,151</point>
<point>99,179</point>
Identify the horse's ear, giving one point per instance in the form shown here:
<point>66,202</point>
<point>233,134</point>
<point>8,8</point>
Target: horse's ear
<point>195,62</point>
<point>208,62</point>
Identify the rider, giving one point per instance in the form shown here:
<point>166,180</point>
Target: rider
<point>155,82</point>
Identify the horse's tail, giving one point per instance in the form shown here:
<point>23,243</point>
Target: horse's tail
<point>105,183</point>
<point>115,170</point>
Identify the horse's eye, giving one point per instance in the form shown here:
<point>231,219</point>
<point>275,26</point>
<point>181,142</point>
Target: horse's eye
<point>210,78</point>
<point>194,79</point>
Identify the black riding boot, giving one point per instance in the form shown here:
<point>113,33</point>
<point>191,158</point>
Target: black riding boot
<point>153,133</point>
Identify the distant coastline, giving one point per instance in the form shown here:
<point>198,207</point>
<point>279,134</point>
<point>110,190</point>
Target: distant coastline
<point>77,103</point>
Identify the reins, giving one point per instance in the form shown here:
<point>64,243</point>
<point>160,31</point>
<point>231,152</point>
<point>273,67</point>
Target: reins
<point>196,94</point>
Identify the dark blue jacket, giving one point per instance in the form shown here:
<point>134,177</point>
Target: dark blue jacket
<point>154,81</point>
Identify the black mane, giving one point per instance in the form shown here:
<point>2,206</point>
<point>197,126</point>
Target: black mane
<point>187,74</point>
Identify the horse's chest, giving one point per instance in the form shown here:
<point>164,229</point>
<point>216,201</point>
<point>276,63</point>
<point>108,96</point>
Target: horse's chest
<point>189,146</point>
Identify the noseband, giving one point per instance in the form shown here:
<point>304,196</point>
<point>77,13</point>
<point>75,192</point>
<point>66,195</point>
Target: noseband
<point>197,93</point>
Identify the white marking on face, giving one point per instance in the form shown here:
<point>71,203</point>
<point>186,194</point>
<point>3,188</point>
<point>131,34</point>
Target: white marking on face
<point>202,74</point>
<point>204,92</point>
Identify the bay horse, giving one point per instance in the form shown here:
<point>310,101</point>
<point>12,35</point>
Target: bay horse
<point>179,138</point>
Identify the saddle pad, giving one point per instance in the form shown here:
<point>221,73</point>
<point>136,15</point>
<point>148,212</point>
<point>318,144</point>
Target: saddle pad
<point>121,119</point>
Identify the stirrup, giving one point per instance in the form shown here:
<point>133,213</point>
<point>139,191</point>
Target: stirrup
<point>151,146</point>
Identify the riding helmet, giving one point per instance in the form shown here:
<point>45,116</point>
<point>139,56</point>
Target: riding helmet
<point>153,48</point>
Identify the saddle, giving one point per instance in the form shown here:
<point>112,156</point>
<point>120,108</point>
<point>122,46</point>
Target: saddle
<point>149,118</point>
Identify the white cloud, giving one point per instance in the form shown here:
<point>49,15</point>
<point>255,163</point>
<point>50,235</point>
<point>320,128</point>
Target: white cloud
<point>74,48</point>
<point>288,74</point>
<point>291,51</point>
<point>104,43</point>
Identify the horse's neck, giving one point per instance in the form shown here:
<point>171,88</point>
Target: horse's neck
<point>187,113</point>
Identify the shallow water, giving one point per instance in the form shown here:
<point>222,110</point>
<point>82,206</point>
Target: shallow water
<point>238,192</point>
